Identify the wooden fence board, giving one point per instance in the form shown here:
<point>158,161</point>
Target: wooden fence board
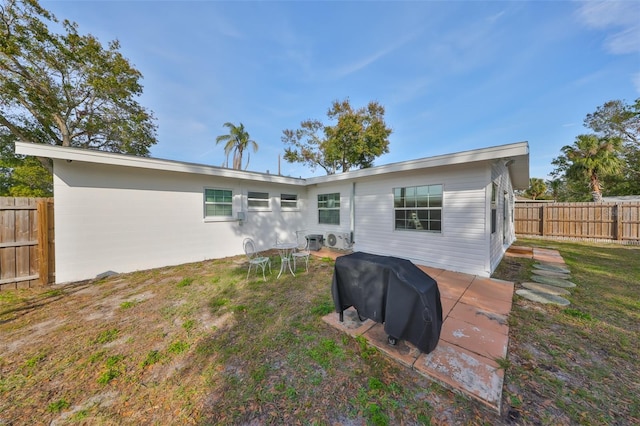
<point>43,246</point>
<point>604,221</point>
<point>22,228</point>
<point>21,241</point>
<point>7,234</point>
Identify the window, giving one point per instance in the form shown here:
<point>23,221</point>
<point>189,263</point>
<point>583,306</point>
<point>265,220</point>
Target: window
<point>289,201</point>
<point>418,208</point>
<point>258,200</point>
<point>329,208</point>
<point>218,203</point>
<point>494,207</point>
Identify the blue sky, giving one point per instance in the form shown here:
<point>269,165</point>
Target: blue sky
<point>452,76</point>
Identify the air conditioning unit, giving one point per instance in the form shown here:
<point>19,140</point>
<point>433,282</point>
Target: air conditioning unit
<point>338,240</point>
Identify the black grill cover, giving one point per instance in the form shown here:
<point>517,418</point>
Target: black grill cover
<point>392,291</point>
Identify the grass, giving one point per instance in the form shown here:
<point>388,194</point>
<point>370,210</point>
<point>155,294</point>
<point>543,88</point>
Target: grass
<point>153,356</point>
<point>185,282</point>
<point>579,364</point>
<point>215,348</point>
<point>106,336</point>
<point>129,304</point>
<point>57,406</point>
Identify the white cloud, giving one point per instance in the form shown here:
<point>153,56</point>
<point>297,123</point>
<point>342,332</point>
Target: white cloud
<point>373,57</point>
<point>495,18</point>
<point>627,41</point>
<point>622,18</point>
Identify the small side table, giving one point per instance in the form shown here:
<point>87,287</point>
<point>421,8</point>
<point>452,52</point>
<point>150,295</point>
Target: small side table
<point>285,250</point>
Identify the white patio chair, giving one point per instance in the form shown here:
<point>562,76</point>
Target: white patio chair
<point>255,258</point>
<point>302,251</point>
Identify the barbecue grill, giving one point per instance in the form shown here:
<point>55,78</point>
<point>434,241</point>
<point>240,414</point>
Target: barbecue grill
<point>391,291</point>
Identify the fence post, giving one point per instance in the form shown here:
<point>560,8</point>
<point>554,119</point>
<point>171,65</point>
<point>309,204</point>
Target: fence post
<point>543,223</point>
<point>617,221</point>
<point>43,241</point>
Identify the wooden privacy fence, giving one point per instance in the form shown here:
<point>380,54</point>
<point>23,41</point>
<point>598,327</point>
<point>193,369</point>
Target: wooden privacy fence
<point>26,242</point>
<point>604,221</point>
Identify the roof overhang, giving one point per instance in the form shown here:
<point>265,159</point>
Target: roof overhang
<point>515,157</point>
<point>101,157</point>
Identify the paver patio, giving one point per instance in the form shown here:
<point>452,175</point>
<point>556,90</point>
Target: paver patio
<point>474,335</point>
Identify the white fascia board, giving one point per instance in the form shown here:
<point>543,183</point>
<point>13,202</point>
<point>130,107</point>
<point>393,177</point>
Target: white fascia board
<point>101,157</point>
<point>518,152</point>
<point>518,168</point>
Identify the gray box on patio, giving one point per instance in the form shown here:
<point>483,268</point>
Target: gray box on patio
<point>315,241</point>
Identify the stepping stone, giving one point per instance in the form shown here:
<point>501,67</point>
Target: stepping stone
<point>547,257</point>
<point>535,296</point>
<point>558,282</point>
<point>545,288</point>
<point>521,249</point>
<point>552,274</point>
<point>550,267</point>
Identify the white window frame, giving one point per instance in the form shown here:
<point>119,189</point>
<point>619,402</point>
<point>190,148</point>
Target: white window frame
<point>293,201</point>
<point>493,219</point>
<point>217,218</point>
<point>261,201</point>
<point>330,204</point>
<point>415,209</point>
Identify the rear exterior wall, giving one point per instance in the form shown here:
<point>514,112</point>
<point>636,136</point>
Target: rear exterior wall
<point>504,234</point>
<point>313,225</point>
<point>123,219</point>
<point>463,244</point>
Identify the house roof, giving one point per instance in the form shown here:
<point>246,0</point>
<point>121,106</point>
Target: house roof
<point>102,157</point>
<point>515,156</point>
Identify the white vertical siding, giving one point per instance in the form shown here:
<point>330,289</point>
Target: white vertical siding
<point>122,218</point>
<point>501,240</point>
<point>463,243</point>
<point>125,219</point>
<point>311,217</point>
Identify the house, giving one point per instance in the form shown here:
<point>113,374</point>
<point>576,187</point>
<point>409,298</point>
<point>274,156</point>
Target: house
<point>122,213</point>
<point>622,199</point>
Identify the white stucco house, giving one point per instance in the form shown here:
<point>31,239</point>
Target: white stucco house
<point>124,213</point>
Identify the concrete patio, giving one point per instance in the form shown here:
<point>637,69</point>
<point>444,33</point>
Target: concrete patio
<point>474,335</point>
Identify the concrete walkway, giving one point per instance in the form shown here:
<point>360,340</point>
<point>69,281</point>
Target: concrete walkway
<point>474,335</point>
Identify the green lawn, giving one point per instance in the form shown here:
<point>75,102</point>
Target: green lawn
<point>578,364</point>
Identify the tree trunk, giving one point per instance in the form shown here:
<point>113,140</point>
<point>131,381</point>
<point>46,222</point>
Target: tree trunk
<point>597,197</point>
<point>47,163</point>
<point>596,192</point>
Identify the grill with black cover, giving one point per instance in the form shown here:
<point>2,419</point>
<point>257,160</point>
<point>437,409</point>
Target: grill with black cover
<point>392,291</point>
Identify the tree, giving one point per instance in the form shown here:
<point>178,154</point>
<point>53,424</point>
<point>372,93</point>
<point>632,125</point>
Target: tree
<point>66,89</point>
<point>557,187</point>
<point>21,176</point>
<point>537,187</point>
<point>237,141</point>
<point>617,119</point>
<point>355,141</point>
<point>589,159</point>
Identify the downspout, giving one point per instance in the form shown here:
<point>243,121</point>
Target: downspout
<point>352,213</point>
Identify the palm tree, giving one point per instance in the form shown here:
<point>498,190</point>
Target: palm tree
<point>537,187</point>
<point>591,157</point>
<point>556,186</point>
<point>237,141</point>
